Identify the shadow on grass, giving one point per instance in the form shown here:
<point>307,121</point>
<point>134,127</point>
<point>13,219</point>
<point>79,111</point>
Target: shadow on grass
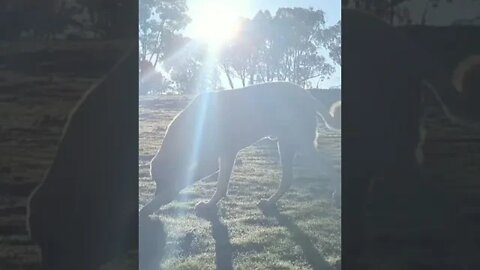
<point>152,238</point>
<point>223,247</point>
<point>314,258</point>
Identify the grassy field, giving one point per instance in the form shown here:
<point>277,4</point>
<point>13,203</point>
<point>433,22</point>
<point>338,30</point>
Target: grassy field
<point>303,234</point>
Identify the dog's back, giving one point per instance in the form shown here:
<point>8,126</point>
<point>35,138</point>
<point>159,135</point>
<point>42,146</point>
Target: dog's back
<point>231,120</point>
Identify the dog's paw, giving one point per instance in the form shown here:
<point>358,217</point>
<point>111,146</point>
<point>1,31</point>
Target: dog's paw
<point>205,210</point>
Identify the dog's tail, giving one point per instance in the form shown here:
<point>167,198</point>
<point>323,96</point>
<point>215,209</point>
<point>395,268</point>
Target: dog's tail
<point>448,92</point>
<point>331,116</point>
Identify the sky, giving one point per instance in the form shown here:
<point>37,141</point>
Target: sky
<point>248,9</point>
<point>445,14</point>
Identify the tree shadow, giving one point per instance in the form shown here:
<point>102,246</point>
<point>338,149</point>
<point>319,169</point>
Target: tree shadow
<point>314,258</point>
<point>223,247</point>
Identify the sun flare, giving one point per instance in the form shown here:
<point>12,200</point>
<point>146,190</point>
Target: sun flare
<point>215,23</point>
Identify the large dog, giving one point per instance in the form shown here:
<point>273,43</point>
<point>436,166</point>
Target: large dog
<point>384,74</point>
<point>204,139</point>
<point>85,211</point>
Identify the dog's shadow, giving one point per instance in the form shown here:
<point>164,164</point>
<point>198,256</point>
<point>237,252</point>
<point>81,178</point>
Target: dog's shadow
<point>152,241</point>
<point>314,258</point>
<point>223,247</point>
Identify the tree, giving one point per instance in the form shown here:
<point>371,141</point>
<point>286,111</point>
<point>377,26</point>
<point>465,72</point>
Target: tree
<point>396,11</point>
<point>294,45</point>
<point>192,71</point>
<point>387,10</point>
<point>240,56</point>
<point>111,18</point>
<point>281,48</point>
<point>159,22</point>
<point>151,80</point>
<point>331,39</point>
<point>43,19</point>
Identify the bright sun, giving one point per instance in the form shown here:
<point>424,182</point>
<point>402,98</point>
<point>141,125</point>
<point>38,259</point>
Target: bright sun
<point>215,23</point>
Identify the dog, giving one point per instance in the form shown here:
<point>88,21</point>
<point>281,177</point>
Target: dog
<point>84,213</point>
<point>204,139</point>
<point>384,75</point>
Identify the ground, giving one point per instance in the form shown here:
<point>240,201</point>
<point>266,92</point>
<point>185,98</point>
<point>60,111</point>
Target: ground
<point>303,234</point>
<point>37,94</point>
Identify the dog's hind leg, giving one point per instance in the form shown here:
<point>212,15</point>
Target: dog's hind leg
<point>226,162</point>
<point>287,153</point>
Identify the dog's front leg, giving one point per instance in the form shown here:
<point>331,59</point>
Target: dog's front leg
<point>161,198</point>
<point>226,162</point>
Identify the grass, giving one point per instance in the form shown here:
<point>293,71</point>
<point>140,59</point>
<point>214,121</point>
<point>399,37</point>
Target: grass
<point>303,234</point>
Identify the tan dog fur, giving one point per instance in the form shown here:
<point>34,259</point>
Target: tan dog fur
<point>205,137</point>
<point>84,213</point>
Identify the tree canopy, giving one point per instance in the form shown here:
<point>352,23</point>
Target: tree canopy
<point>294,44</point>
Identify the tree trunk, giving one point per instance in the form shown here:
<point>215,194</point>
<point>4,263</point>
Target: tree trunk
<point>424,13</point>
<point>392,13</point>
<point>251,75</point>
<point>227,73</point>
<point>156,60</point>
<point>157,45</point>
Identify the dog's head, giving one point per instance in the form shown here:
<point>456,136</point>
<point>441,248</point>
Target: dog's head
<point>172,175</point>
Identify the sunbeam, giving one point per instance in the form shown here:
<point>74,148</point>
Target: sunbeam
<point>215,22</point>
<point>182,54</point>
<point>202,85</point>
